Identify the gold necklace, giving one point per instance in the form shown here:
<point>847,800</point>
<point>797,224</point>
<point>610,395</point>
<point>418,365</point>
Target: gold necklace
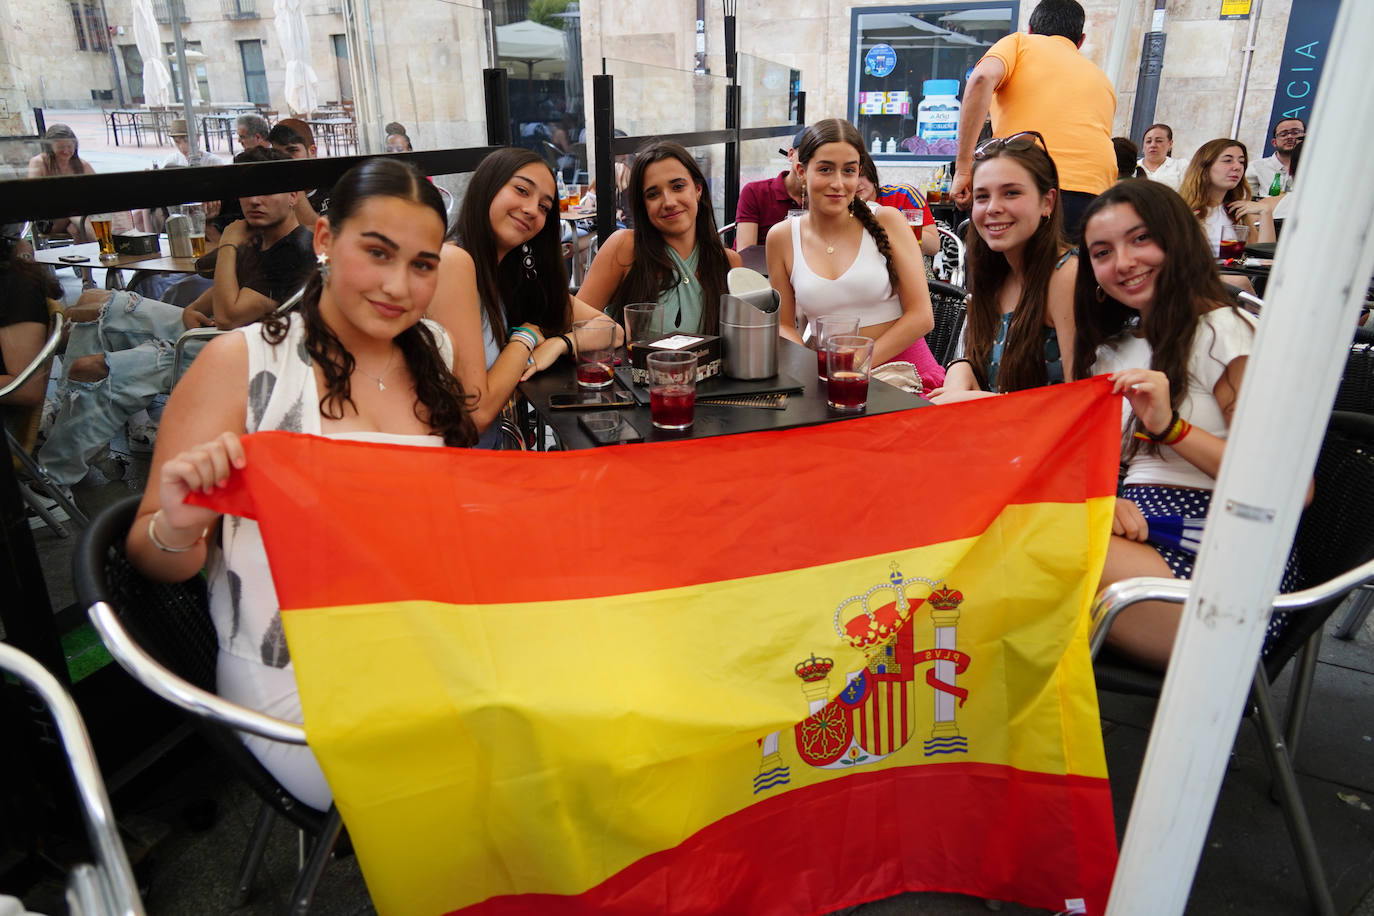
<point>378,378</point>
<point>829,248</point>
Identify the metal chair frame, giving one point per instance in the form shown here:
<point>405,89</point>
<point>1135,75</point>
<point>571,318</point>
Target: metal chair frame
<point>1311,608</point>
<point>188,337</point>
<point>108,888</point>
<point>101,546</point>
<point>956,273</point>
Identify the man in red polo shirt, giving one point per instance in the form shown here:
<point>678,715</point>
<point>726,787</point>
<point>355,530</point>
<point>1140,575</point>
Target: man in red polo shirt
<point>764,203</point>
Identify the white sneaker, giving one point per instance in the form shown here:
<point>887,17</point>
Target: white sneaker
<point>141,434</point>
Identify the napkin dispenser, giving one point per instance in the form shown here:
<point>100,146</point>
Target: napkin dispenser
<point>707,347</point>
<point>135,243</point>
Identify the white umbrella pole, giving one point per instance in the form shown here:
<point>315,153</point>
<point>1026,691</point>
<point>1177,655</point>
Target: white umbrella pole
<point>1314,295</point>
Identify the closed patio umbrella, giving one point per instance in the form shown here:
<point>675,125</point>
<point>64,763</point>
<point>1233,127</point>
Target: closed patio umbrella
<point>301,83</point>
<point>157,81</point>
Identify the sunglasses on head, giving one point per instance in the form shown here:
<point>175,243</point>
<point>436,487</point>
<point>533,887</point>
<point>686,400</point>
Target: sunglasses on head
<point>1015,143</point>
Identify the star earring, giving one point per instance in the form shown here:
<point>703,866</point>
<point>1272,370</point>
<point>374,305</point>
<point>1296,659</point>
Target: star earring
<point>322,259</point>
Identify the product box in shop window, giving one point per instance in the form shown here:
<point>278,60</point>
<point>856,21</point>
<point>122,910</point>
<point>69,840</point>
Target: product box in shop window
<point>705,346</point>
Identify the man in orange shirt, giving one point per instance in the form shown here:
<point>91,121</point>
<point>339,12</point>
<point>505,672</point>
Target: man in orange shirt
<point>1040,81</point>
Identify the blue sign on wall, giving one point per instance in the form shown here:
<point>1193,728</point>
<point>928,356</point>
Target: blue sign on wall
<point>1304,52</point>
<point>880,60</point>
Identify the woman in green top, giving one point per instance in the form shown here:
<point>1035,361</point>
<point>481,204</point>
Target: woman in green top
<point>673,255</point>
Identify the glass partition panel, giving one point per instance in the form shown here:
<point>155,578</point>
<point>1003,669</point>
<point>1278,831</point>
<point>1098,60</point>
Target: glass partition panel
<point>548,111</point>
<point>652,100</point>
<point>768,92</point>
<point>762,159</point>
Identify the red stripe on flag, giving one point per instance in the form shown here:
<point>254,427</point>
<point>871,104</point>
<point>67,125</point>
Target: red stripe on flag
<point>1001,835</point>
<point>582,524</point>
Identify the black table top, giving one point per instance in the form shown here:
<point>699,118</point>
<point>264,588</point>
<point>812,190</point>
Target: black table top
<point>805,409</point>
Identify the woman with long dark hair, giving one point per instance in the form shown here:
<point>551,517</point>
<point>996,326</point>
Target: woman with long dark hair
<point>503,289</point>
<point>843,258</point>
<point>355,361</point>
<point>1152,311</point>
<point>61,155</point>
<point>1021,275</point>
<point>673,255</point>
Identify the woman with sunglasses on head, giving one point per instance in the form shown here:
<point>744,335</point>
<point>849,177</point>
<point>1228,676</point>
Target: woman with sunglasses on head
<point>1021,275</point>
<point>1153,312</point>
<point>673,255</point>
<point>355,361</point>
<point>503,289</point>
<point>842,258</point>
<point>1214,189</point>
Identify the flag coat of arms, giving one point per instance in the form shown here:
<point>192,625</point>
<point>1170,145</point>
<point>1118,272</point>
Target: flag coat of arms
<point>780,672</point>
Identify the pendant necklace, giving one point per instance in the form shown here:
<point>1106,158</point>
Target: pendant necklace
<point>829,248</point>
<point>378,378</point>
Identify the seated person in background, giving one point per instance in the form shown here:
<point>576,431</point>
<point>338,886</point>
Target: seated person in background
<point>253,130</point>
<point>841,258</point>
<point>1157,164</point>
<point>398,143</point>
<point>1020,275</point>
<point>322,358</point>
<point>62,156</point>
<point>293,137</point>
<point>899,197</point>
<point>1126,153</point>
<point>503,284</point>
<point>1151,310</point>
<point>1214,189</point>
<point>764,203</point>
<point>119,357</point>
<point>396,127</point>
<point>24,290</point>
<point>180,159</point>
<point>673,255</point>
<point>1273,175</point>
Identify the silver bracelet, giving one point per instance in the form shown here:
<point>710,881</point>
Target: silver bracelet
<point>157,542</point>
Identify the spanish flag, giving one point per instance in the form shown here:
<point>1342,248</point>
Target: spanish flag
<point>781,672</point>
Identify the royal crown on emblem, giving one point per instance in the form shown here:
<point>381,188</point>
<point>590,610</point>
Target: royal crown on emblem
<point>880,618</point>
<point>814,669</point>
<point>945,599</point>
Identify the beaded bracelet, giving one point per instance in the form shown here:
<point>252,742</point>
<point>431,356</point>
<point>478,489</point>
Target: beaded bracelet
<point>165,548</point>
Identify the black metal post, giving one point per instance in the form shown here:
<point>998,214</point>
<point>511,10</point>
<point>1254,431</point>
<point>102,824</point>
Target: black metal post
<point>603,131</point>
<point>731,53</point>
<point>40,122</point>
<point>733,97</point>
<point>801,109</point>
<point>496,86</point>
<point>1147,82</point>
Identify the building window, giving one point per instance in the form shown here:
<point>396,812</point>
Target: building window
<point>254,73</point>
<point>91,32</point>
<point>907,69</point>
<point>195,62</point>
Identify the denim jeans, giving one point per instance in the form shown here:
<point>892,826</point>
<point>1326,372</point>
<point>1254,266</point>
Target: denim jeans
<point>137,336</point>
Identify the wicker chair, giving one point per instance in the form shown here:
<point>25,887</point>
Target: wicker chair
<point>949,304</point>
<point>1335,554</point>
<point>162,635</point>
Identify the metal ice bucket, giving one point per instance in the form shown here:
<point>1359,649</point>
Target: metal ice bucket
<point>749,334</point>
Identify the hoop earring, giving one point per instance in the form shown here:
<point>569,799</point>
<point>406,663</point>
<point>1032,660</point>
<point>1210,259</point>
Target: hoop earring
<point>527,259</point>
<point>322,260</point>
<point>1101,295</point>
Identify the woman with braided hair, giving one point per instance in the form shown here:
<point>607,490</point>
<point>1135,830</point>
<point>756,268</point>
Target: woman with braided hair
<point>842,258</point>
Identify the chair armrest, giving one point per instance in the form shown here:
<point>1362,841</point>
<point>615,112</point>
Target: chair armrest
<point>1326,591</point>
<point>186,338</point>
<point>1118,596</point>
<point>115,879</point>
<point>146,670</point>
<point>40,359</point>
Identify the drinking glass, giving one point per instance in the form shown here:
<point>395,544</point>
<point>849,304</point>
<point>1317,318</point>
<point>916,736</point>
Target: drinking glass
<point>594,342</point>
<point>672,388</point>
<point>643,324</point>
<point>850,358</point>
<point>828,326</point>
<point>195,214</point>
<point>574,197</point>
<point>913,219</point>
<point>102,227</point>
<point>1233,237</point>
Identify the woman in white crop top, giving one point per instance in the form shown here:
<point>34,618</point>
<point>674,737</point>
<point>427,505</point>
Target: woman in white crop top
<point>353,361</point>
<point>842,258</point>
<point>1179,368</point>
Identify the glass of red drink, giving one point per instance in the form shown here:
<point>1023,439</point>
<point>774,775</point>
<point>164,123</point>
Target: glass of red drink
<point>849,359</point>
<point>826,327</point>
<point>672,388</point>
<point>594,345</point>
<point>1233,238</point>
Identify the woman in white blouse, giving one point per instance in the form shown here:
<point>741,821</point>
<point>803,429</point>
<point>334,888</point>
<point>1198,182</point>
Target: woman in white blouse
<point>1158,164</point>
